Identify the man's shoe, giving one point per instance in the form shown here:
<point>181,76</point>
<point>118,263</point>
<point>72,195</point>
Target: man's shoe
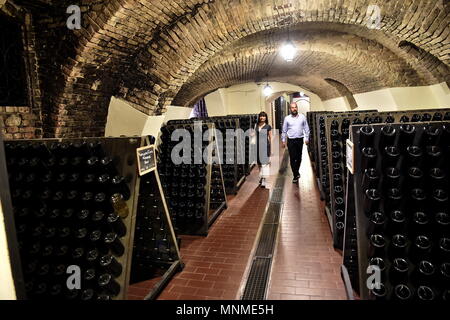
<point>295,180</point>
<point>263,183</point>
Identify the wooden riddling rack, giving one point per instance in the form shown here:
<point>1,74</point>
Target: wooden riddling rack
<point>323,158</point>
<point>62,195</point>
<point>312,150</point>
<point>358,228</point>
<point>156,253</point>
<point>195,193</point>
<point>246,122</point>
<point>233,171</point>
<point>350,264</point>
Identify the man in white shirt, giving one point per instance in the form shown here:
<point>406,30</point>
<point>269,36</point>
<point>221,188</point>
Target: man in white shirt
<point>295,133</point>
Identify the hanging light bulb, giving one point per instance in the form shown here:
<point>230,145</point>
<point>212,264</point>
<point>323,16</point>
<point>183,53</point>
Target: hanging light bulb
<point>288,51</point>
<point>267,90</point>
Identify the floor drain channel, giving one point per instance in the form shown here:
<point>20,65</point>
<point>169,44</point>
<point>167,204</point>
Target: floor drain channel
<point>258,277</point>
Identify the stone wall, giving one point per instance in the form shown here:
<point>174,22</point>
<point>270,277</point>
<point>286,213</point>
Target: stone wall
<point>19,123</point>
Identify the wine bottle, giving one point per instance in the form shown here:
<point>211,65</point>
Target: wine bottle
<point>392,179</point>
<point>442,224</point>
<point>402,293</point>
<point>425,293</point>
<point>113,242</point>
<point>391,157</point>
<point>406,136</point>
<point>424,273</point>
<point>431,136</point>
<point>434,157</point>
<point>426,117</point>
<point>107,283</point>
<point>437,179</point>
<point>398,223</point>
<point>440,200</point>
<point>380,292</point>
<point>369,158</point>
<point>416,118</point>
<point>377,245</point>
<point>420,223</point>
<point>398,246</point>
<point>399,271</point>
<point>377,223</point>
<point>414,157</point>
<point>421,249</point>
<point>371,179</point>
<point>444,274</point>
<point>387,137</point>
<point>87,295</point>
<point>393,200</point>
<point>366,136</point>
<point>110,265</point>
<point>443,250</point>
<point>371,201</point>
<point>415,179</point>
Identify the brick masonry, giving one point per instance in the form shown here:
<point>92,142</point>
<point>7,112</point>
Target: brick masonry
<point>157,53</point>
<point>19,123</point>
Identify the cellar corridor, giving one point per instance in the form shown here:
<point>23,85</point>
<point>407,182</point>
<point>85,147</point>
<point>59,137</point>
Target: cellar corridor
<point>305,266</point>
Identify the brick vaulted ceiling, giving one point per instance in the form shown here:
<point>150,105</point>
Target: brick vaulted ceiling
<point>155,53</point>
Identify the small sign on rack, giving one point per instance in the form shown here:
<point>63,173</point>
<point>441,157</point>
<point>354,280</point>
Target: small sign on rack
<point>350,157</point>
<point>146,159</point>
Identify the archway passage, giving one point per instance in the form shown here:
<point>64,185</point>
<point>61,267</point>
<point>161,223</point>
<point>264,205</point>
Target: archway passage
<point>154,53</point>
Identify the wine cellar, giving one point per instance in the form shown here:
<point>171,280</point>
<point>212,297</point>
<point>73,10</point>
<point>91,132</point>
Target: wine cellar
<point>224,150</point>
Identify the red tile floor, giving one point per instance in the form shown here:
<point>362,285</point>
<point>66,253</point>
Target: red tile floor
<point>214,266</point>
<point>305,266</point>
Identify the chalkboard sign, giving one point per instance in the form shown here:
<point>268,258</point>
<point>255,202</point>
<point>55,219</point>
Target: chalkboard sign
<point>146,159</point>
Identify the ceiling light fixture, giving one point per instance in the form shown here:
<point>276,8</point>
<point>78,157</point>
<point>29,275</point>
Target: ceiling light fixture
<point>268,90</point>
<point>288,51</point>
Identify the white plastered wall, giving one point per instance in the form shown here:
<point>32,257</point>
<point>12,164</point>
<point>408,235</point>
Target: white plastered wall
<point>393,99</point>
<point>124,120</point>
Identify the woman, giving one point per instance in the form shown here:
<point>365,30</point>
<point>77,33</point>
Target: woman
<point>263,142</point>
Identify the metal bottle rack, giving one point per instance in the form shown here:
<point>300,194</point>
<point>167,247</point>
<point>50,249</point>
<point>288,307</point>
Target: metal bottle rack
<point>356,250</point>
<point>40,227</point>
<point>213,200</point>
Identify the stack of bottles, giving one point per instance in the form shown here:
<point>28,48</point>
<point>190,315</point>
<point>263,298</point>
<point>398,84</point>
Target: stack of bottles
<point>64,215</point>
<point>217,195</point>
<point>186,186</point>
<point>402,190</point>
<point>153,248</point>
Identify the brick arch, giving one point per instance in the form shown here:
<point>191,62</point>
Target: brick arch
<point>344,92</point>
<point>363,64</point>
<point>151,48</point>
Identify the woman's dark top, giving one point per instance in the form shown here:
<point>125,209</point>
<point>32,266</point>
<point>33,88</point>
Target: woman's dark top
<point>261,136</point>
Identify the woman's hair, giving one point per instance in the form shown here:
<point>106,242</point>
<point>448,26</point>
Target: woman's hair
<point>263,114</point>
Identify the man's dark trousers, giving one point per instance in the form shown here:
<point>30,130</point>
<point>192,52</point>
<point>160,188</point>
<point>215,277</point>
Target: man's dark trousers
<point>295,147</point>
